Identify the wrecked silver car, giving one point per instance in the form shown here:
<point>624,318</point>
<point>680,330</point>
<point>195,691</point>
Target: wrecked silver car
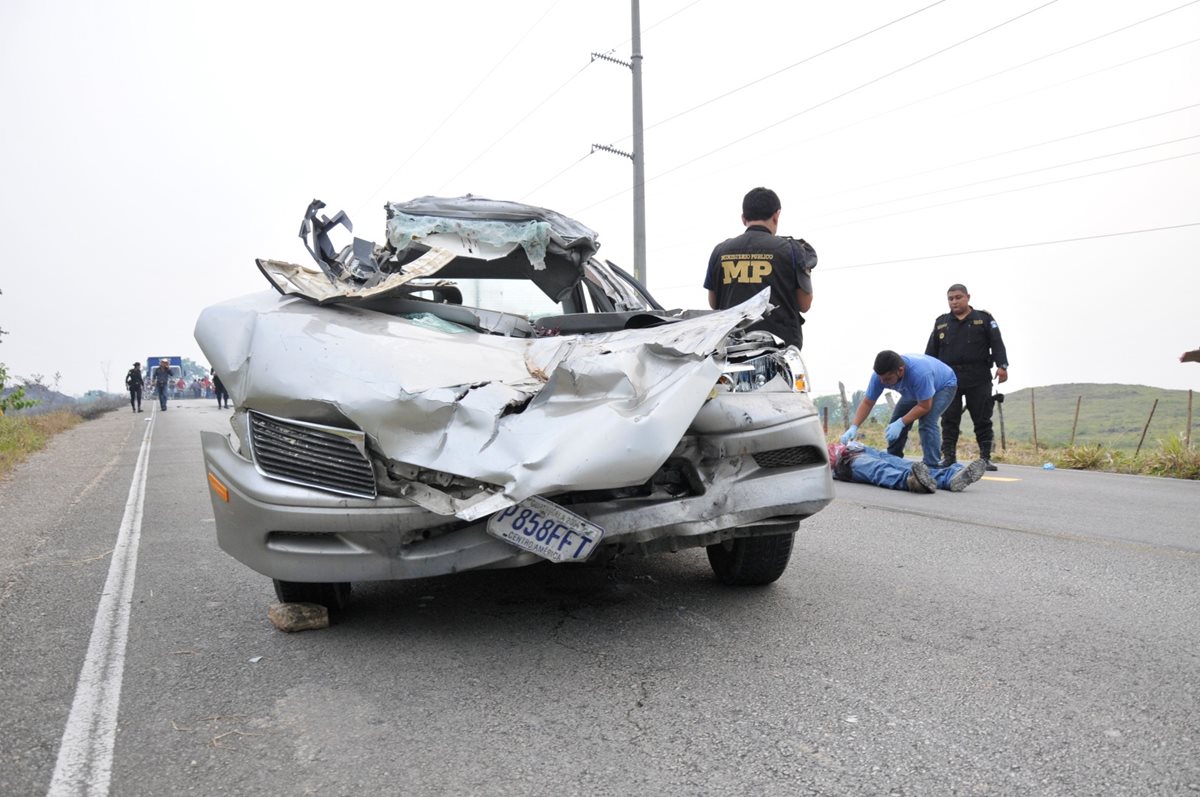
<point>480,391</point>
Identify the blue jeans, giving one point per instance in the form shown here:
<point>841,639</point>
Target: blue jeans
<point>929,426</point>
<point>161,390</point>
<point>882,469</point>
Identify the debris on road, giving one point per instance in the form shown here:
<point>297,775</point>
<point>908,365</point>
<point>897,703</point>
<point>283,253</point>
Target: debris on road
<point>298,616</point>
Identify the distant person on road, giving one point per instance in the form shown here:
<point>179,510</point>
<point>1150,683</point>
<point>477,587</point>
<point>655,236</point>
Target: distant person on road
<point>926,386</point>
<point>739,268</point>
<point>162,381</point>
<point>219,389</point>
<point>856,462</point>
<point>968,340</point>
<point>135,385</point>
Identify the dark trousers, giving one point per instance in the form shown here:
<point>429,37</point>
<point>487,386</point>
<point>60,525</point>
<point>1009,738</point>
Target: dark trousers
<point>979,403</point>
<point>135,398</point>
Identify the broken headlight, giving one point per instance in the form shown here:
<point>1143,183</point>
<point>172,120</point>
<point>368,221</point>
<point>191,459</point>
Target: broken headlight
<point>782,370</point>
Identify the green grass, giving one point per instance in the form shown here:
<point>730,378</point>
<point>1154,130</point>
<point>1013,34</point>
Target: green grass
<point>1112,416</point>
<point>21,435</point>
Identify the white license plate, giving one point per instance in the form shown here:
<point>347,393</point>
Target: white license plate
<point>546,529</point>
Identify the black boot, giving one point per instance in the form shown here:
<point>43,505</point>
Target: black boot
<point>985,453</point>
<point>949,454</point>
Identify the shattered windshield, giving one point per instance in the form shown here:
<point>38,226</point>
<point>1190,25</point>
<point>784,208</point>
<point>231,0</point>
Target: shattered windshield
<point>518,297</point>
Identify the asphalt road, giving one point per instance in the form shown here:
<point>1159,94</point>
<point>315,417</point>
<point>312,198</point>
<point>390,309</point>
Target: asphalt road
<point>1036,634</point>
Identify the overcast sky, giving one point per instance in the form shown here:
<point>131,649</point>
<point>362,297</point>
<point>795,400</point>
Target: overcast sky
<point>1046,154</point>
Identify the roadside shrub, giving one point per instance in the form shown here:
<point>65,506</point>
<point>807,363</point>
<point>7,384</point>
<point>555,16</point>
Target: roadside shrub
<point>97,407</point>
<point>13,399</point>
<point>1092,457</point>
<point>1175,460</point>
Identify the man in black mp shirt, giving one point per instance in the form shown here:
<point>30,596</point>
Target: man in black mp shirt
<point>968,340</point>
<point>739,268</point>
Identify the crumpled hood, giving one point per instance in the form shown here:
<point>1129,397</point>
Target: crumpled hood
<point>533,416</point>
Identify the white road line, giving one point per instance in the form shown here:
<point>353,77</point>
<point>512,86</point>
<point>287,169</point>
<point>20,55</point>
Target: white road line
<point>85,755</point>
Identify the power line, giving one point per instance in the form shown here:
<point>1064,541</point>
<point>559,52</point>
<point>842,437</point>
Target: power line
<point>824,102</point>
<point>997,74</point>
<point>1005,152</point>
<point>533,191</point>
<point>798,63</point>
<point>547,99</point>
<point>463,102</point>
<point>1011,190</point>
<point>966,252</point>
<point>670,16</point>
<point>1014,246</point>
<point>809,200</point>
<point>517,124</point>
<point>1009,176</point>
<point>1022,188</point>
<point>1093,73</point>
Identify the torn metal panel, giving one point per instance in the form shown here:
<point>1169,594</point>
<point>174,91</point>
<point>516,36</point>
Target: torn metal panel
<point>529,416</point>
<point>491,238</point>
<point>291,279</point>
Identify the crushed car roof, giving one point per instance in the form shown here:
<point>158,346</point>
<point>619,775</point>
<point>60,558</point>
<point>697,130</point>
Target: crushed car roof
<point>465,236</point>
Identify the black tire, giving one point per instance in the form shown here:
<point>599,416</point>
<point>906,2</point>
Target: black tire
<point>751,561</point>
<point>331,596</point>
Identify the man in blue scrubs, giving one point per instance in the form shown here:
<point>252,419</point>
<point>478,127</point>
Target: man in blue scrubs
<point>926,386</point>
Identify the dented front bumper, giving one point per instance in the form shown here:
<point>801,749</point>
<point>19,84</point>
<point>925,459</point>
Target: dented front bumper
<point>745,477</point>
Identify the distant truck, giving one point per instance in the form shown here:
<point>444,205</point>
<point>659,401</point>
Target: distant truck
<point>176,373</point>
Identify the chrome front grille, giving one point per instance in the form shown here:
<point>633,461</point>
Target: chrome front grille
<point>789,457</point>
<point>324,457</point>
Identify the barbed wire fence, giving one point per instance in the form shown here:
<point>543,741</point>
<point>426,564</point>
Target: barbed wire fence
<point>1020,425</point>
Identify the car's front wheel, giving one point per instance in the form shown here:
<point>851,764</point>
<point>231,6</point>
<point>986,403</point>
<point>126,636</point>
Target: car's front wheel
<point>751,561</point>
<point>331,596</point>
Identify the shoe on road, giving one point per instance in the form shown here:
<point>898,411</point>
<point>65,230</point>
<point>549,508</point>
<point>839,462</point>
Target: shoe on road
<point>987,465</point>
<point>920,480</point>
<point>968,476</point>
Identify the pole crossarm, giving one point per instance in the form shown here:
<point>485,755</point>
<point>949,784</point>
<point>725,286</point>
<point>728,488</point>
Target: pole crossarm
<point>613,150</point>
<point>611,59</point>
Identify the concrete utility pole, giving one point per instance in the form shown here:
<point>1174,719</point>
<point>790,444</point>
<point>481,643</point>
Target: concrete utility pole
<point>638,155</point>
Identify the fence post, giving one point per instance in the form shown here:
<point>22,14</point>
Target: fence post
<point>1146,428</point>
<point>1033,415</point>
<point>1188,433</point>
<point>1075,422</point>
<point>845,407</point>
<point>825,420</point>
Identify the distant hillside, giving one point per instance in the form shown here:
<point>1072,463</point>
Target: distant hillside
<point>49,400</point>
<point>1113,415</point>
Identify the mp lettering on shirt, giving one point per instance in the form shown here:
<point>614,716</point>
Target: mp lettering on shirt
<point>746,269</point>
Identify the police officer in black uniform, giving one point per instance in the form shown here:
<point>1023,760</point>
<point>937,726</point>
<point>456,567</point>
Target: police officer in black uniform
<point>135,385</point>
<point>968,340</point>
<point>739,268</point>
